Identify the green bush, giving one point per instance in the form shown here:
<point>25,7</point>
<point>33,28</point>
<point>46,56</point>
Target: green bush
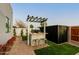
<point>21,32</point>
<point>14,32</point>
<point>24,38</point>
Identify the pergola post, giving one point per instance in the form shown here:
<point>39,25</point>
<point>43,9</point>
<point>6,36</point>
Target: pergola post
<point>69,34</point>
<point>28,33</point>
<point>44,31</point>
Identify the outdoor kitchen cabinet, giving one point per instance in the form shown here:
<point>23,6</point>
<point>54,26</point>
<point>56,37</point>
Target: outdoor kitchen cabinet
<point>57,33</point>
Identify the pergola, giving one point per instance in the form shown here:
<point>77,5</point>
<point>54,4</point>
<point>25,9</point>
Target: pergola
<point>37,20</point>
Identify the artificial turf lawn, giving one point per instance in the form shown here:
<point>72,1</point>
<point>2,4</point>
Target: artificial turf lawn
<point>55,49</point>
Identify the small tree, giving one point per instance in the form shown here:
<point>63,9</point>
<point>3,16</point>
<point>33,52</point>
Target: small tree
<point>14,32</point>
<point>24,37</point>
<point>22,33</point>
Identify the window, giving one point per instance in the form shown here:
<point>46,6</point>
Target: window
<point>7,25</point>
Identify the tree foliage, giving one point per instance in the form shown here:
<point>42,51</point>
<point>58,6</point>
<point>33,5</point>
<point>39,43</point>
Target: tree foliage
<point>20,24</point>
<point>31,26</point>
<point>42,24</point>
<point>14,32</point>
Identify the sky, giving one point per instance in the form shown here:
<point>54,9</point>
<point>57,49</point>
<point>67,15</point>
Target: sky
<point>57,14</point>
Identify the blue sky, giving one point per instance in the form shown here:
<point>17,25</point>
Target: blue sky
<point>62,14</point>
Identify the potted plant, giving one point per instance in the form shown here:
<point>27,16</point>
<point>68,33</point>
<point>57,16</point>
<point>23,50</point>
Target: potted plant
<point>24,37</point>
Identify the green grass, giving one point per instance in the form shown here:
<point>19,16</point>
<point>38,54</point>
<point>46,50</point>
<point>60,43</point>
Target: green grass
<point>55,49</point>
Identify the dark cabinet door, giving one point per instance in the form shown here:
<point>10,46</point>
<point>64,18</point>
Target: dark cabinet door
<point>63,32</point>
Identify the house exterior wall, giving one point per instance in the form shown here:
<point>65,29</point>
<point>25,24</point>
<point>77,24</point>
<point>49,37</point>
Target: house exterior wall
<point>5,10</point>
<point>2,24</point>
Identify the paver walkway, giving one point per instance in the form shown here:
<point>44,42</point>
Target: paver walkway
<point>20,48</point>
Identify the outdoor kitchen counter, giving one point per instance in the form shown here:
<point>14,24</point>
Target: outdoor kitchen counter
<point>37,39</point>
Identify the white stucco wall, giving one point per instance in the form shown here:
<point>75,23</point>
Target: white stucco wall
<point>5,10</point>
<point>2,24</point>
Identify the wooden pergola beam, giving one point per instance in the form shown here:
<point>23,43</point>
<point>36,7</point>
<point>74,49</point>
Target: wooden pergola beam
<point>27,18</point>
<point>36,19</point>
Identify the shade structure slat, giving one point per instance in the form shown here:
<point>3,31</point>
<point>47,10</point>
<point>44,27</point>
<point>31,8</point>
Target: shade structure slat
<point>39,19</point>
<point>36,19</point>
<point>33,19</point>
<point>27,18</point>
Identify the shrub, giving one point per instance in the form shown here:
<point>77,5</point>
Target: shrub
<point>24,38</point>
<point>21,32</point>
<point>14,32</point>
